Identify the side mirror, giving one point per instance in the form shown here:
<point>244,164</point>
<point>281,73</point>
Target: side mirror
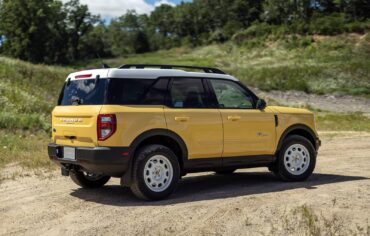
<point>261,104</point>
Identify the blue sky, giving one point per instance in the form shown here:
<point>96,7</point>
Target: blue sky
<point>114,8</point>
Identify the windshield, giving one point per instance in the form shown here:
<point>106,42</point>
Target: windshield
<point>83,92</point>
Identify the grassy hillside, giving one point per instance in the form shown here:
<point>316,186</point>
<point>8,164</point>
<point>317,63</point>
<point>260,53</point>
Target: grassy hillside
<point>314,64</point>
<point>28,93</point>
<point>341,64</point>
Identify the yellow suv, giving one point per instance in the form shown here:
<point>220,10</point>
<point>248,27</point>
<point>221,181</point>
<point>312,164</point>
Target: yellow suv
<point>151,124</point>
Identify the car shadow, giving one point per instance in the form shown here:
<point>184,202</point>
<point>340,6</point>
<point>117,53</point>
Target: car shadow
<point>208,187</point>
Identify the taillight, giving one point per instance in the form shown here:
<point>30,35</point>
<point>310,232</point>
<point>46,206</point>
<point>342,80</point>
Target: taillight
<point>85,76</point>
<point>107,125</point>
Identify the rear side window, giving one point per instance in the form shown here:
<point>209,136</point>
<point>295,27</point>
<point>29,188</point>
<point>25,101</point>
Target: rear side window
<point>187,93</point>
<point>136,91</point>
<point>83,92</point>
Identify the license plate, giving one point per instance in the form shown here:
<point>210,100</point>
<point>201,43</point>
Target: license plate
<point>69,153</point>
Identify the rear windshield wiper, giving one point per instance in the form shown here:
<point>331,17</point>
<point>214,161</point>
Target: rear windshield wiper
<point>76,101</point>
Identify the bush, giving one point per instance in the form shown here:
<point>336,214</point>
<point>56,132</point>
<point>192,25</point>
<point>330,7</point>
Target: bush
<point>295,41</point>
<point>328,25</point>
<point>357,27</point>
<point>12,121</point>
<point>256,30</point>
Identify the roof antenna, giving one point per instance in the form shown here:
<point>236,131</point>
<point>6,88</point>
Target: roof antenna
<point>104,65</point>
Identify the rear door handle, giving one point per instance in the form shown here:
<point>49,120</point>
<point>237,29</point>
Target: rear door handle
<point>233,118</point>
<point>181,118</point>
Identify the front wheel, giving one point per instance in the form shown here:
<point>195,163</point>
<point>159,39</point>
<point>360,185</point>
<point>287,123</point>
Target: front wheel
<point>88,180</point>
<point>156,172</point>
<point>296,159</point>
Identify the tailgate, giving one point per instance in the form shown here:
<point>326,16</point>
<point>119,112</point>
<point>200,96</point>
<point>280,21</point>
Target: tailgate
<point>75,125</point>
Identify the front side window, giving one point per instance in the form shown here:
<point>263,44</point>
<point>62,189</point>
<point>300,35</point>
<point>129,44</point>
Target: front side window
<point>187,93</point>
<point>231,95</point>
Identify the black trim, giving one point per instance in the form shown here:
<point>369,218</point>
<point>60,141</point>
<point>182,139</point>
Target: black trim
<point>316,143</point>
<point>248,161</point>
<point>142,66</point>
<point>100,160</point>
<point>276,120</point>
<point>202,164</point>
<point>159,132</point>
<point>218,163</point>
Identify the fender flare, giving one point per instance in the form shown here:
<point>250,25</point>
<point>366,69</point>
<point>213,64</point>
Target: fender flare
<point>296,127</point>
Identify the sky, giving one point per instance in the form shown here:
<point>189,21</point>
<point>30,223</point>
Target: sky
<point>109,9</point>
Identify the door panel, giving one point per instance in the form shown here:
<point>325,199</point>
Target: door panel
<point>248,132</point>
<point>189,115</point>
<point>201,130</point>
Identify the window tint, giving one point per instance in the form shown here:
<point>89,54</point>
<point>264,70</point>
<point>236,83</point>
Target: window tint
<point>187,93</point>
<point>157,92</point>
<point>231,95</point>
<point>133,92</point>
<point>83,92</point>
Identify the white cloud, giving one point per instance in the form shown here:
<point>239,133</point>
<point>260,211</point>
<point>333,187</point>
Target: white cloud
<point>115,8</point>
<point>161,2</point>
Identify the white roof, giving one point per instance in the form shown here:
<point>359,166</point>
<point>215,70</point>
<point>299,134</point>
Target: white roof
<point>147,73</point>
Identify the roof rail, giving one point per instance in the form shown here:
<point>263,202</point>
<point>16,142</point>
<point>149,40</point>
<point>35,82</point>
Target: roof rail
<point>142,66</point>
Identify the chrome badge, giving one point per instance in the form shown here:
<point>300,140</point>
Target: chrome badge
<point>70,120</point>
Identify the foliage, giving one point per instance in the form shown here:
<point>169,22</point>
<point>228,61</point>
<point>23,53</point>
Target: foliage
<point>45,31</point>
<point>51,32</point>
<point>28,93</point>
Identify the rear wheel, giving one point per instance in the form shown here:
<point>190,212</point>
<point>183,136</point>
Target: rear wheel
<point>296,159</point>
<point>225,172</point>
<point>156,172</point>
<point>88,180</point>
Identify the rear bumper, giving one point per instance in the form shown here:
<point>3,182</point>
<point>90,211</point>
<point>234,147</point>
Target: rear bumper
<point>112,161</point>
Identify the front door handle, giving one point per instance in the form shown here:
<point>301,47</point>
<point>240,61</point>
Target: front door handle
<point>181,118</point>
<point>233,118</point>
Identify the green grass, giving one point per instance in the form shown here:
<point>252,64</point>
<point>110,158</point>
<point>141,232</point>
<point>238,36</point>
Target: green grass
<point>312,64</point>
<point>28,93</point>
<point>342,122</point>
<point>27,150</point>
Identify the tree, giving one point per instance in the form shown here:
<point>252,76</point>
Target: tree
<point>79,21</point>
<point>28,27</point>
<point>127,34</point>
<point>95,43</point>
<point>356,9</point>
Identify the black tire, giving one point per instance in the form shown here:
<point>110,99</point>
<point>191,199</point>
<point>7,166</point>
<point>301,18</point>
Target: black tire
<point>82,179</point>
<point>281,170</point>
<point>225,172</point>
<point>139,186</point>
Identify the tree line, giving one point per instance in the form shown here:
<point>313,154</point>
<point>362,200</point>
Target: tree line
<point>48,31</point>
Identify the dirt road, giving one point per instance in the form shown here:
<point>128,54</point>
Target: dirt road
<point>336,199</point>
<point>327,102</point>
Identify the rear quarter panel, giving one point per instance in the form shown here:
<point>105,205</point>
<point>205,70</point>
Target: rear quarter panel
<point>131,122</point>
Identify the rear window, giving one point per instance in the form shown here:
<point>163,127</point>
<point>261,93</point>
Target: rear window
<point>114,91</point>
<point>83,92</point>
